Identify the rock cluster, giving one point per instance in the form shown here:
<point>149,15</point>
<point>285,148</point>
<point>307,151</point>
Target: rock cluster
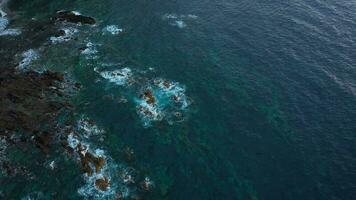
<point>29,99</point>
<point>74,17</point>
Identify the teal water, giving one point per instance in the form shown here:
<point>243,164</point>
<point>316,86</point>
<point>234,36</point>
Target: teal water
<point>266,108</point>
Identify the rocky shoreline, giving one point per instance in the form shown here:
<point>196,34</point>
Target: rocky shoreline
<point>33,102</point>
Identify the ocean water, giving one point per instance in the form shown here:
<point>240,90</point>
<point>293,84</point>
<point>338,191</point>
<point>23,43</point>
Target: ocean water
<point>253,99</point>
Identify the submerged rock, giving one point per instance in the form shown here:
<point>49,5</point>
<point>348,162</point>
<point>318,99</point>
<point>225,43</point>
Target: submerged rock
<point>74,17</point>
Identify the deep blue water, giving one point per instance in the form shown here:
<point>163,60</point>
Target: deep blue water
<point>270,88</point>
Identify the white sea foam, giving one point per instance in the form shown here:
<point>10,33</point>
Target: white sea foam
<point>76,13</point>
<point>2,13</point>
<point>89,190</point>
<point>11,32</point>
<point>178,20</point>
<point>191,16</point>
<point>148,112</point>
<point>122,179</point>
<point>27,58</point>
<point>162,100</point>
<point>72,141</point>
<point>89,128</point>
<point>119,76</point>
<point>113,29</point>
<point>52,165</point>
<point>179,24</point>
<point>169,16</point>
<point>68,35</point>
<point>174,91</point>
<point>4,22</point>
<point>90,51</point>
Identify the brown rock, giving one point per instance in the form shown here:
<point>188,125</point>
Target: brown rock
<point>70,16</point>
<point>102,184</point>
<point>148,96</point>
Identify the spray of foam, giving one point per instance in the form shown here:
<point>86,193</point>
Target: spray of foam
<point>90,51</point>
<point>89,128</point>
<point>67,35</point>
<point>113,29</point>
<point>178,20</point>
<point>27,58</point>
<point>162,100</point>
<point>4,22</point>
<point>118,77</point>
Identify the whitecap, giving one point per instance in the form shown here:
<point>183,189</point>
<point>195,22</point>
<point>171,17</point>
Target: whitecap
<point>89,128</point>
<point>179,20</point>
<point>174,91</point>
<point>148,112</point>
<point>76,13</point>
<point>162,100</point>
<point>11,32</point>
<point>169,16</point>
<point>121,184</point>
<point>67,35</point>
<point>27,58</point>
<point>2,13</point>
<point>119,76</point>
<point>192,16</point>
<point>73,141</point>
<point>113,29</point>
<point>52,165</point>
<point>4,22</point>
<point>90,190</point>
<point>90,51</point>
<point>179,24</point>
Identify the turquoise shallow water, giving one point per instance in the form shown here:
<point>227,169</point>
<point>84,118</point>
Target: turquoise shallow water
<point>260,103</point>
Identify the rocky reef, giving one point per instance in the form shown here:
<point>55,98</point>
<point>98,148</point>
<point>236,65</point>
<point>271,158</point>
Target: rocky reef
<point>74,17</point>
<point>29,99</point>
<point>36,112</point>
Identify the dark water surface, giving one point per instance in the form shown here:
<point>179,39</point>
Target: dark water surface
<point>270,88</point>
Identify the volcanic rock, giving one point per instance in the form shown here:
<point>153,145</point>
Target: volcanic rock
<point>74,17</point>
